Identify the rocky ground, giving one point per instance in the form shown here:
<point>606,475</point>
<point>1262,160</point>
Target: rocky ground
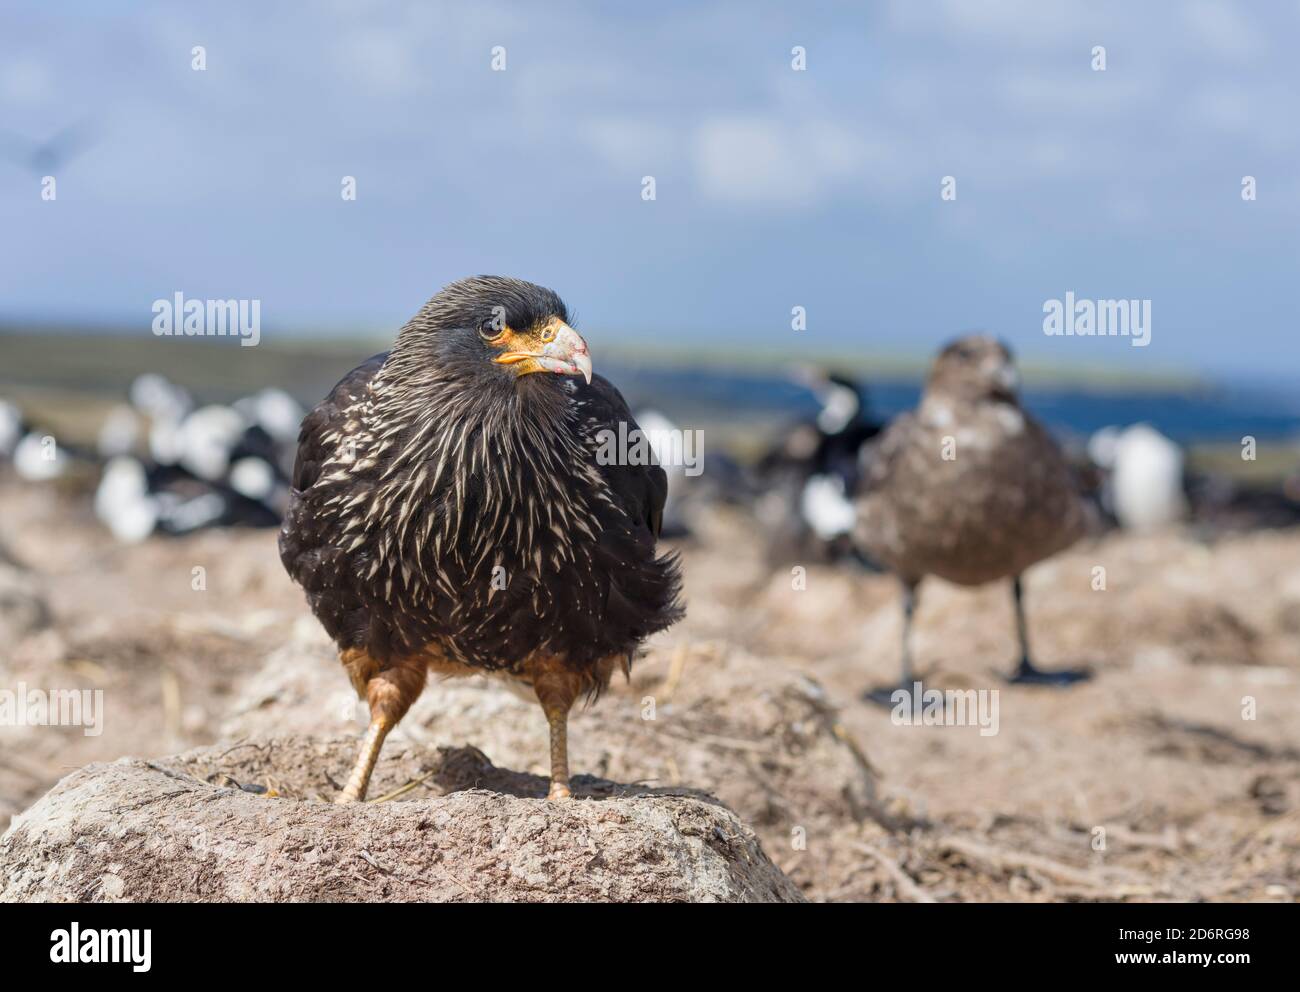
<point>1173,774</point>
<point>196,827</point>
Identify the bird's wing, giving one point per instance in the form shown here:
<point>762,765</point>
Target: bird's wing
<point>330,417</point>
<point>878,457</point>
<point>640,489</point>
<point>638,590</point>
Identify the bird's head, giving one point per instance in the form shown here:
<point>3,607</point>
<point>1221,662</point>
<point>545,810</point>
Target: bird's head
<point>493,325</point>
<point>973,368</point>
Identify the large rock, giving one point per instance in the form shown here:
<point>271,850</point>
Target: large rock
<point>248,824</point>
<point>747,729</point>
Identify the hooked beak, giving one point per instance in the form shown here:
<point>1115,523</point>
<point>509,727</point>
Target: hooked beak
<point>1006,379</point>
<point>558,349</point>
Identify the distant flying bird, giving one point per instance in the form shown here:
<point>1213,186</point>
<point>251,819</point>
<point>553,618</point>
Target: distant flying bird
<point>970,488</point>
<point>449,514</point>
<point>46,158</point>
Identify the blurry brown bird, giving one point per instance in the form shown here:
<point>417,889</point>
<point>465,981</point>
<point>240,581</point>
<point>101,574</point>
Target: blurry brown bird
<point>970,488</point>
<point>450,514</point>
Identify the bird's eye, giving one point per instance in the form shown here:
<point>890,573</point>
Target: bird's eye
<point>549,332</point>
<point>490,330</point>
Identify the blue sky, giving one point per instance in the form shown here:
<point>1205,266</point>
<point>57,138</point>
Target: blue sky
<point>775,188</point>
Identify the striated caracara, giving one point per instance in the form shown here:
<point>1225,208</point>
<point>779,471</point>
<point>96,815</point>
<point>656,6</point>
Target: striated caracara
<point>970,488</point>
<point>450,515</point>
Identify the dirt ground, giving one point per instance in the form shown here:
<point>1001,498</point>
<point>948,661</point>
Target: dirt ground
<point>1173,774</point>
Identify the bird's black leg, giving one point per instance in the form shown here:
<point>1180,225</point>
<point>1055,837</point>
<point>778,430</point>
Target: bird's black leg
<point>883,696</point>
<point>1026,672</point>
<point>909,608</point>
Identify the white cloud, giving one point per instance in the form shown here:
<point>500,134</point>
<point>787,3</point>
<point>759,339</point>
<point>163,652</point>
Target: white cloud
<point>751,160</point>
<point>631,145</point>
<point>754,159</point>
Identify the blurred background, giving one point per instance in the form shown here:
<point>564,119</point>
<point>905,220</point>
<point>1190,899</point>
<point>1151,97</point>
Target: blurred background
<point>338,167</point>
<point>783,291</point>
<point>775,188</point>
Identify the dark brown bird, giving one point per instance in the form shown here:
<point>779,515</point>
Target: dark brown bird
<point>450,514</point>
<point>970,488</point>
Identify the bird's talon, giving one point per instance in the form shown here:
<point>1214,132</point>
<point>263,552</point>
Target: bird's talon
<point>1029,675</point>
<point>884,695</point>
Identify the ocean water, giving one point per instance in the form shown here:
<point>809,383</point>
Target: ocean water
<point>1208,414</point>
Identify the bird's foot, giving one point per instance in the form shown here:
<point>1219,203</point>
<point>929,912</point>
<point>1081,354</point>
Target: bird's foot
<point>885,695</point>
<point>559,790</point>
<point>1027,674</point>
<point>346,798</point>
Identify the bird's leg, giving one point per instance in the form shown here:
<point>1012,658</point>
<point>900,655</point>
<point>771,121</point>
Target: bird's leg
<point>359,780</point>
<point>1022,630</point>
<point>390,692</point>
<point>1027,672</point>
<point>909,608</point>
<point>558,719</point>
<point>884,696</point>
<point>556,694</point>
